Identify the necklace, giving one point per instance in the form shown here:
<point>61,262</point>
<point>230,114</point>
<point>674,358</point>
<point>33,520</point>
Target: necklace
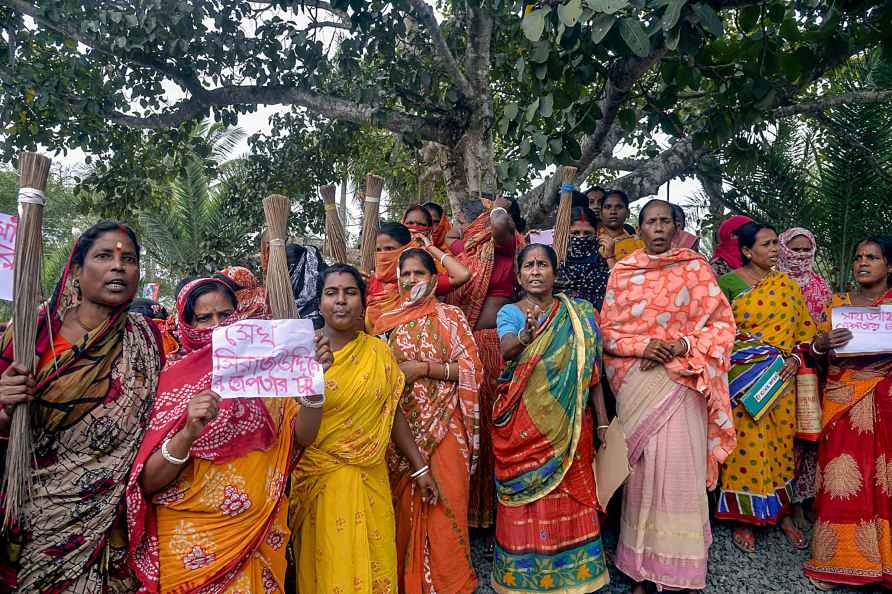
<point>77,319</point>
<point>750,275</point>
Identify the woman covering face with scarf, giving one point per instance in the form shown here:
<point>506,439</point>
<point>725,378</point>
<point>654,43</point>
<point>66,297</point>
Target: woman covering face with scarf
<point>584,274</point>
<point>435,349</point>
<point>796,259</point>
<point>394,239</point>
<point>726,257</point>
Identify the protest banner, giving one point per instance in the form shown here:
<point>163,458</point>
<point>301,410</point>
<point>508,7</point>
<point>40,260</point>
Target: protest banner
<point>267,359</point>
<point>8,226</point>
<point>871,329</point>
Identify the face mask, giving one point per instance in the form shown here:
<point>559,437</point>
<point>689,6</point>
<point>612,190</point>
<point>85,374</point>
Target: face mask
<point>582,246</point>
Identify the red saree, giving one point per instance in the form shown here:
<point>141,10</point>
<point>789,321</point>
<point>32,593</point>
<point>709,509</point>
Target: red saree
<point>852,543</point>
<point>478,255</point>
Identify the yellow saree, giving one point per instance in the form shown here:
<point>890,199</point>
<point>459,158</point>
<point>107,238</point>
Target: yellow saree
<point>213,512</point>
<point>757,479</point>
<point>342,512</point>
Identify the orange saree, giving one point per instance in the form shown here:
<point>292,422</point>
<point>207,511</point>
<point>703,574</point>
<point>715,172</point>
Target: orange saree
<point>433,548</point>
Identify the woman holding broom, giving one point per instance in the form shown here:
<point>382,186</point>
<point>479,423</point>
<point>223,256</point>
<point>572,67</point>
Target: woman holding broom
<point>90,397</point>
<point>487,248</point>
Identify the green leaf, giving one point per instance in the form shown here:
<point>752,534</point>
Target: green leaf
<point>520,67</point>
<point>132,20</point>
<point>748,18</point>
<point>672,14</point>
<point>511,110</point>
<point>115,17</point>
<point>555,145</point>
<point>540,52</point>
<point>540,139</point>
<point>546,106</point>
<point>633,34</point>
<point>672,39</point>
<point>709,19</point>
<point>570,12</point>
<point>601,26</point>
<point>533,24</point>
<point>607,6</point>
<point>531,110</point>
<point>627,119</point>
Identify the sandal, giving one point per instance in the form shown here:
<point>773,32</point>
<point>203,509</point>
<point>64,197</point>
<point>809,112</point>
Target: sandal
<point>744,540</point>
<point>822,586</point>
<point>794,536</point>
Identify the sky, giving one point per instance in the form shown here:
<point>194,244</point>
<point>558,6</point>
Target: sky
<point>678,191</point>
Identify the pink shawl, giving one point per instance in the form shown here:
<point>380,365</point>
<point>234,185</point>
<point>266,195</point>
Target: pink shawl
<point>668,297</point>
<point>799,267</point>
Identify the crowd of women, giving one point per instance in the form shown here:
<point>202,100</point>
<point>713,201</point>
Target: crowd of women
<point>469,381</point>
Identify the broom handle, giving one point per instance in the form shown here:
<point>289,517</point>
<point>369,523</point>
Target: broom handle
<point>562,221</point>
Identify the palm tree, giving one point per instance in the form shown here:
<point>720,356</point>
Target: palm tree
<point>830,173</point>
<point>193,238</point>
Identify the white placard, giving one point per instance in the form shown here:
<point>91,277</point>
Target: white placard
<point>871,328</point>
<point>8,225</point>
<point>266,358</point>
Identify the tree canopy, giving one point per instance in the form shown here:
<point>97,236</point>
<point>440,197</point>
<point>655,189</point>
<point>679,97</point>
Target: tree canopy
<point>490,91</point>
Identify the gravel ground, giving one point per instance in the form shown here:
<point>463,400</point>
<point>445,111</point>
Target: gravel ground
<point>776,567</point>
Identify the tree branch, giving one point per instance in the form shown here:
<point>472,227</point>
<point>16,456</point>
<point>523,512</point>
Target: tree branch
<point>824,103</point>
<point>187,81</point>
<point>433,129</point>
<point>648,178</point>
<point>425,15</point>
<point>619,85</point>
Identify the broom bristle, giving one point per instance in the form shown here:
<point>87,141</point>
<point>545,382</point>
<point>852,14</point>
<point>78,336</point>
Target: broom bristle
<point>562,221</point>
<point>279,295</point>
<point>17,481</point>
<point>334,230</point>
<point>373,186</point>
<point>34,170</point>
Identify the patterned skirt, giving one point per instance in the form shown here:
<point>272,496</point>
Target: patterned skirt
<point>481,505</point>
<point>758,478</point>
<point>852,542</point>
<point>553,544</point>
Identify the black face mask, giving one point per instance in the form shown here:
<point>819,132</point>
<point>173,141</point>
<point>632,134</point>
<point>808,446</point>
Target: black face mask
<point>582,246</point>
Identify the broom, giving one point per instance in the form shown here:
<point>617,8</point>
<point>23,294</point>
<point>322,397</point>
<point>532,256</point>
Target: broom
<point>334,230</point>
<point>373,186</point>
<point>33,172</point>
<point>562,221</point>
<point>278,285</point>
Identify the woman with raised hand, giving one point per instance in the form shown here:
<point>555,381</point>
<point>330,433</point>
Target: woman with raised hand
<point>89,397</point>
<point>206,497</point>
<point>383,290</point>
<point>488,248</point>
<point>668,333</point>
<point>852,542</point>
<point>548,537</point>
<point>342,509</point>
<point>435,349</point>
<point>758,479</point>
